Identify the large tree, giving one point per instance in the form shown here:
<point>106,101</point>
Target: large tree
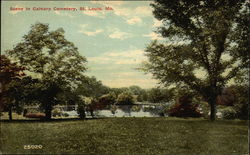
<point>206,45</point>
<point>53,59</point>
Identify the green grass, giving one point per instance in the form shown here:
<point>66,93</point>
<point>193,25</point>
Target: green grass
<point>128,136</point>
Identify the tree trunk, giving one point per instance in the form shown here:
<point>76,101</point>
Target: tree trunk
<point>48,112</point>
<point>212,111</point>
<point>212,103</point>
<point>92,113</point>
<point>10,113</point>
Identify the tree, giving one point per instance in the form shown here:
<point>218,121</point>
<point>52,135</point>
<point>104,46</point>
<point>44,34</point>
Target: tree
<point>81,108</point>
<point>240,96</point>
<point>125,98</point>
<point>53,59</point>
<point>10,74</point>
<point>141,94</point>
<point>158,95</point>
<point>91,87</point>
<point>208,37</point>
<point>107,99</point>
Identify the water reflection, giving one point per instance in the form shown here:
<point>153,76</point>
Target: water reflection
<point>121,113</point>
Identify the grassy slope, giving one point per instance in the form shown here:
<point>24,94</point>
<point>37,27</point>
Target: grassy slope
<point>122,136</point>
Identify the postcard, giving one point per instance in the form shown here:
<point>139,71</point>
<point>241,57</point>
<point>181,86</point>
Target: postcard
<point>124,77</point>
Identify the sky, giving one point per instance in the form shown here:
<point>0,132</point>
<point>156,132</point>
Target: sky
<point>113,40</point>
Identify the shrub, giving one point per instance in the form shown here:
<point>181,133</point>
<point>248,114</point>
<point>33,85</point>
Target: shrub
<point>65,114</point>
<point>242,111</point>
<point>56,112</point>
<point>184,110</point>
<point>228,113</point>
<point>104,101</point>
<point>136,108</point>
<point>125,98</point>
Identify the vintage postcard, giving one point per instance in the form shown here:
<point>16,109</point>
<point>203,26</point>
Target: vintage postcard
<point>158,77</point>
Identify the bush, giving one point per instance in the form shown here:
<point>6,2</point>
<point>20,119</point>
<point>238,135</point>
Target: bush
<point>184,110</point>
<point>56,112</point>
<point>125,98</point>
<point>136,108</point>
<point>228,113</point>
<point>242,111</point>
<point>65,114</point>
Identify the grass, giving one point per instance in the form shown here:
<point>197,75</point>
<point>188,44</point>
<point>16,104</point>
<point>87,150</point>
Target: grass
<point>127,136</point>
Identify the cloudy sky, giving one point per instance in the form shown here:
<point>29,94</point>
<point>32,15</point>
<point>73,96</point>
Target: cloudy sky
<point>113,41</point>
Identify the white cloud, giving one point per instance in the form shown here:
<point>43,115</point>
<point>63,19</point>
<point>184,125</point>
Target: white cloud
<point>120,58</point>
<point>131,15</point>
<point>93,33</point>
<point>118,34</point>
<point>101,14</point>
<point>99,60</point>
<point>153,36</point>
<point>140,11</point>
<point>134,20</point>
<point>124,74</point>
<point>88,32</point>
<point>131,53</point>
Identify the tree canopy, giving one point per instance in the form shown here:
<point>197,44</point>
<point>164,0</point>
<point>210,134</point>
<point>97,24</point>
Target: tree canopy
<point>206,38</point>
<point>51,58</point>
<point>10,74</point>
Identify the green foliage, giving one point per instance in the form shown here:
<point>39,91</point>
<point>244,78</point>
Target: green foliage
<point>238,96</point>
<point>107,99</point>
<point>185,108</point>
<point>241,93</point>
<point>136,108</point>
<point>81,108</point>
<point>67,115</point>
<point>91,87</point>
<point>125,98</point>
<point>56,112</point>
<point>228,113</point>
<point>56,61</point>
<point>159,95</point>
<point>204,36</point>
<point>10,75</point>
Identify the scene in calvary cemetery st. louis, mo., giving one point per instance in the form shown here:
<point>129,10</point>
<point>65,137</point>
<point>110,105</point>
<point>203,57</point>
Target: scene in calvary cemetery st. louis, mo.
<point>159,77</point>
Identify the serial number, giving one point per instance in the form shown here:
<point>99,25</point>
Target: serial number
<point>33,147</point>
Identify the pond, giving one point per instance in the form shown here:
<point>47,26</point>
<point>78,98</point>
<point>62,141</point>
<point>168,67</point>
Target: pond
<point>122,113</point>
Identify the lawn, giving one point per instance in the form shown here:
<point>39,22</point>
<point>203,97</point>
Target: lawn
<point>127,136</point>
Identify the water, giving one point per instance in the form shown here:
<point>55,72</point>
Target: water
<point>121,113</point>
